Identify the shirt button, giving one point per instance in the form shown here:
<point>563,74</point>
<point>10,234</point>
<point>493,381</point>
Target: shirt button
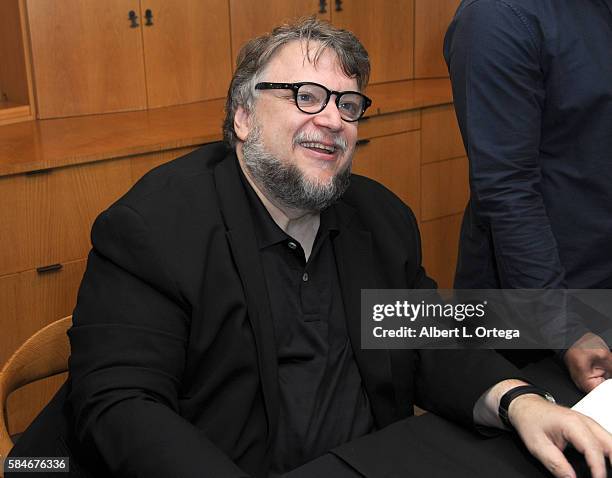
<point>305,277</point>
<point>292,245</point>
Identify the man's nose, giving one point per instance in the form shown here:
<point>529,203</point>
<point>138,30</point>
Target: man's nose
<point>329,117</point>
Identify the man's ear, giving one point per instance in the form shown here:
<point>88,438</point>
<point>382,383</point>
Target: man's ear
<point>242,123</point>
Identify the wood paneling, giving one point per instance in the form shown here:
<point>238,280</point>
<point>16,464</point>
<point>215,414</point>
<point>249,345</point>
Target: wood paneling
<point>431,21</point>
<point>445,188</point>
<point>48,216</point>
<point>9,316</point>
<point>86,57</point>
<point>185,58</point>
<point>389,124</point>
<point>250,19</point>
<point>140,165</point>
<point>440,240</point>
<point>46,297</point>
<point>386,29</point>
<point>441,137</point>
<point>60,142</point>
<point>394,161</point>
<point>13,74</point>
<point>408,95</point>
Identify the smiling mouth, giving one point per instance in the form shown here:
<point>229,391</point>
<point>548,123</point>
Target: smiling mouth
<point>320,147</point>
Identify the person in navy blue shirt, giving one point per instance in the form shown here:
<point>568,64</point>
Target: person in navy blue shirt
<point>532,85</point>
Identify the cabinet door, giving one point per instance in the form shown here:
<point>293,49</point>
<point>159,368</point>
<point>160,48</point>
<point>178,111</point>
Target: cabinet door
<point>393,161</point>
<point>445,188</point>
<point>86,57</point>
<point>386,28</point>
<point>436,146</point>
<point>250,18</point>
<point>48,217</point>
<point>187,54</point>
<point>440,242</point>
<point>431,21</point>
<point>9,316</point>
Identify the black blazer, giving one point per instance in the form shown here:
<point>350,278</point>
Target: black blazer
<point>173,369</point>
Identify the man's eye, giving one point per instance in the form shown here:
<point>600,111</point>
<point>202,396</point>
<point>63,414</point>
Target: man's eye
<point>349,107</point>
<point>306,98</point>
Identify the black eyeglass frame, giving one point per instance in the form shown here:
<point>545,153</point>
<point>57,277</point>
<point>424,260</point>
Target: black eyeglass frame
<point>267,85</point>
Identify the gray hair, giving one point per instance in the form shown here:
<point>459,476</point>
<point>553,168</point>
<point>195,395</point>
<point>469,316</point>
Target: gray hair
<point>255,55</point>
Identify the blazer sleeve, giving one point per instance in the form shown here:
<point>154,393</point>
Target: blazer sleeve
<point>446,382</point>
<point>128,352</point>
<point>493,55</point>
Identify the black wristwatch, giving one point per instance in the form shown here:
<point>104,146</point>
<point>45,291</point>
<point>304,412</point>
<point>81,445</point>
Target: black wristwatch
<point>511,394</point>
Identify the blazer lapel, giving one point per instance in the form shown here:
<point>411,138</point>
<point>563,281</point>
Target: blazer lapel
<point>356,271</point>
<point>241,237</point>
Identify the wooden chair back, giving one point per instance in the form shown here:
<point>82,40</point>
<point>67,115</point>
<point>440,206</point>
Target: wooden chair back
<point>43,355</point>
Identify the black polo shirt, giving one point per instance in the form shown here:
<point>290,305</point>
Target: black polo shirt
<point>322,401</point>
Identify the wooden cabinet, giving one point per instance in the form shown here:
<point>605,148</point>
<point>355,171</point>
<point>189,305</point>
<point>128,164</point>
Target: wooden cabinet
<point>445,188</point>
<point>250,19</point>
<point>385,27</point>
<point>86,57</point>
<point>186,50</point>
<point>445,191</point>
<point>441,135</point>
<point>440,240</point>
<point>119,55</point>
<point>81,57</point>
<point>431,21</point>
<point>9,315</point>
<point>48,215</point>
<point>15,76</point>
<point>392,159</point>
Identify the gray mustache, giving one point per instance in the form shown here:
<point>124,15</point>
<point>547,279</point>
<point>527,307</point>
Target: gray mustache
<point>338,141</point>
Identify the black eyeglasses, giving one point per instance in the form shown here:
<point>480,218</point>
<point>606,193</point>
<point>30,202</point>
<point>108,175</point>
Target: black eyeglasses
<point>312,98</point>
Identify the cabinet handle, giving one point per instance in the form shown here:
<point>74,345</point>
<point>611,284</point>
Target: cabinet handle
<point>149,17</point>
<point>51,268</point>
<point>322,6</point>
<point>133,17</point>
<point>362,142</point>
<point>36,172</point>
<point>338,5</point>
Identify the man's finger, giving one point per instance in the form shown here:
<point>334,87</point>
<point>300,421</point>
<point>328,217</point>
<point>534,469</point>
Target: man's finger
<point>554,460</point>
<point>593,445</point>
<point>604,437</point>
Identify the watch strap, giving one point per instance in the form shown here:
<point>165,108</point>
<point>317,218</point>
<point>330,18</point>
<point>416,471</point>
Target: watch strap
<point>504,403</point>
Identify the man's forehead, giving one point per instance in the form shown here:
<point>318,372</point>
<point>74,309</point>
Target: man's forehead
<point>298,58</point>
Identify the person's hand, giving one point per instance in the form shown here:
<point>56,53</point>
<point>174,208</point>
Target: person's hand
<point>589,362</point>
<point>546,429</point>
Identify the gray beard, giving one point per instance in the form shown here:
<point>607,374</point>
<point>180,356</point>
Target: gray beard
<point>286,183</point>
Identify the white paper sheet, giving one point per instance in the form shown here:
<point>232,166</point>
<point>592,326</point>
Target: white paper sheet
<point>598,405</point>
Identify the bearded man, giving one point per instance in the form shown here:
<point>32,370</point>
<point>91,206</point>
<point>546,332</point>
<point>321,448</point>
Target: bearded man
<point>218,322</point>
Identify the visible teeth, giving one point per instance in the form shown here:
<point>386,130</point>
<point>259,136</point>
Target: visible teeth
<point>325,147</point>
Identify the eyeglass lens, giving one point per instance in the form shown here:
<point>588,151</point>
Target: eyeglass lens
<point>312,99</point>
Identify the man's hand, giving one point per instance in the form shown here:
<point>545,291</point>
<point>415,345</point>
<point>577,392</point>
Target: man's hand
<point>589,361</point>
<point>546,429</point>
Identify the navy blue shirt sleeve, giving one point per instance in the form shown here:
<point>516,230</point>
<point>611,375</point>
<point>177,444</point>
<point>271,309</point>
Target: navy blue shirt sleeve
<point>493,54</point>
